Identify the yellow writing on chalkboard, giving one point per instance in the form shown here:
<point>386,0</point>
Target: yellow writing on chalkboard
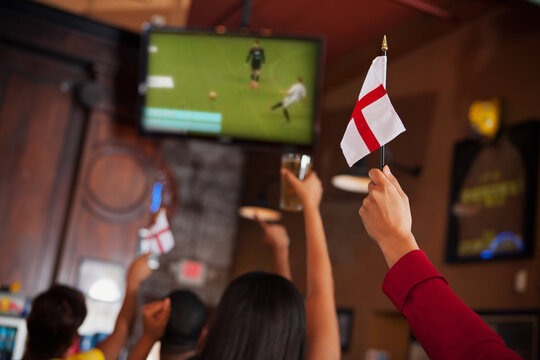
<point>475,246</point>
<point>486,241</point>
<point>492,195</point>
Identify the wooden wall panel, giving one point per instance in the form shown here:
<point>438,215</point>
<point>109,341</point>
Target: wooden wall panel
<point>112,195</point>
<point>75,175</point>
<point>40,131</point>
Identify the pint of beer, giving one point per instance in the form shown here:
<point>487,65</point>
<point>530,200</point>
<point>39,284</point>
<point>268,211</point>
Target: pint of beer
<point>299,165</point>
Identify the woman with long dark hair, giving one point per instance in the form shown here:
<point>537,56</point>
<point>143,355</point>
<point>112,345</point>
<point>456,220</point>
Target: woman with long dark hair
<point>262,316</point>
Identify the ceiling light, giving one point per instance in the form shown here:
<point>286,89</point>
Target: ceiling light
<point>261,210</point>
<point>354,179</point>
<point>254,212</point>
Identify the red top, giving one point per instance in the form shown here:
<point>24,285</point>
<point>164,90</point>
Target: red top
<point>442,323</point>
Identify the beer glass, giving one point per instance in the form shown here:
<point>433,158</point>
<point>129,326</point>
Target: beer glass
<point>300,166</point>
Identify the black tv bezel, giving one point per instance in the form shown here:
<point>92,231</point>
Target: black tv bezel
<point>246,143</point>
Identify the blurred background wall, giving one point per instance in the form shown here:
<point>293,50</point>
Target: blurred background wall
<point>76,173</point>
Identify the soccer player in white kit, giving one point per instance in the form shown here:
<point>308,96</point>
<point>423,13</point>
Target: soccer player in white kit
<point>295,93</point>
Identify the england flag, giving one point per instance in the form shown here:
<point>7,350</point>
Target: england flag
<point>158,239</point>
<point>374,121</point>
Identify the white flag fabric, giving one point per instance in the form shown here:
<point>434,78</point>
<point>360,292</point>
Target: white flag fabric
<point>374,121</point>
<point>158,239</point>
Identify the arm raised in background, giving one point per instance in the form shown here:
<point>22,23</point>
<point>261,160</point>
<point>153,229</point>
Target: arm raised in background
<point>276,238</point>
<point>442,323</point>
<point>155,318</point>
<point>137,273</point>
<point>322,326</point>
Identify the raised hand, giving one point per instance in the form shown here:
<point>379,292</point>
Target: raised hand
<point>155,318</point>
<point>276,238</point>
<point>309,190</point>
<point>138,271</point>
<point>386,215</point>
<point>321,320</point>
<point>274,235</point>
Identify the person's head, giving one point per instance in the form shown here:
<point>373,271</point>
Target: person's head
<point>256,43</point>
<point>260,316</point>
<point>186,321</point>
<point>53,321</point>
<point>300,80</point>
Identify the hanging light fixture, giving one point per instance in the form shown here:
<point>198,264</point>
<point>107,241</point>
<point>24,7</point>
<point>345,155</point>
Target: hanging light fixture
<point>254,212</point>
<point>355,179</point>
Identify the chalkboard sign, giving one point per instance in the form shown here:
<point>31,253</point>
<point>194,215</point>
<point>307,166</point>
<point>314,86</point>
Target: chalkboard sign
<point>491,213</point>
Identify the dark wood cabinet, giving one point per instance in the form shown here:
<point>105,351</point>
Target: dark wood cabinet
<point>40,135</point>
<point>112,195</point>
<point>75,177</point>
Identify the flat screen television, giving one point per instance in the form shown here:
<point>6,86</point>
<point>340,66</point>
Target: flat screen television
<point>240,88</point>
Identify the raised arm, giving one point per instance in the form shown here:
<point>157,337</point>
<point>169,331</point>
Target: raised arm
<point>137,273</point>
<point>386,215</point>
<point>275,237</point>
<point>322,326</point>
<point>442,323</point>
<point>155,318</point>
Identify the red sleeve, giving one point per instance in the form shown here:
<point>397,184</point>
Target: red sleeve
<point>442,323</point>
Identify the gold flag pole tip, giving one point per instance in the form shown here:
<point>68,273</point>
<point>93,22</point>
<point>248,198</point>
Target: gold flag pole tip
<point>384,46</point>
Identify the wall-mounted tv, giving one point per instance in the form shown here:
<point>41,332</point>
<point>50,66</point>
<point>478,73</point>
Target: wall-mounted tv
<point>232,87</point>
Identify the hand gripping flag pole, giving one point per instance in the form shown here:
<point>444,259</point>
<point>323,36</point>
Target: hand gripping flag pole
<point>384,49</point>
<point>374,122</point>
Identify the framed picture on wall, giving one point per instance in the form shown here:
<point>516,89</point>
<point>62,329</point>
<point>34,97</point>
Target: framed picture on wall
<point>492,207</point>
<point>520,331</point>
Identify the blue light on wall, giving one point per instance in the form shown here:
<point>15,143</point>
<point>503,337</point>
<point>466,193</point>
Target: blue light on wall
<point>156,197</point>
<point>497,240</point>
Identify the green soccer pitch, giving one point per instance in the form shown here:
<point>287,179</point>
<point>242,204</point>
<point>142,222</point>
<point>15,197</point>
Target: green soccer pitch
<point>201,64</point>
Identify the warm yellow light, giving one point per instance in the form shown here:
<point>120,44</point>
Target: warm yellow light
<point>261,213</point>
<point>484,116</point>
<point>352,183</point>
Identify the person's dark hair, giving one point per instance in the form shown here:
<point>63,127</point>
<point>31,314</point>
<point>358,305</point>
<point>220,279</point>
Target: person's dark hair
<point>260,316</point>
<point>187,318</point>
<point>53,321</point>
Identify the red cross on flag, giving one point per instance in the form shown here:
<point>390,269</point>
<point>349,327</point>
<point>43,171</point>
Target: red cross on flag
<point>159,238</point>
<point>374,122</point>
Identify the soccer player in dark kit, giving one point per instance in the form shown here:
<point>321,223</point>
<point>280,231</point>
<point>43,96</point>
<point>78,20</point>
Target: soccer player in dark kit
<point>256,56</point>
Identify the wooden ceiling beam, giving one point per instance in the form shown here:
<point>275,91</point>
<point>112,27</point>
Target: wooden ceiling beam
<point>401,40</point>
<point>128,14</point>
<point>427,8</point>
<point>223,19</point>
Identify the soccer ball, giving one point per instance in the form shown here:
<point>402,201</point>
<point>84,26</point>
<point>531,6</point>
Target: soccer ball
<point>212,95</point>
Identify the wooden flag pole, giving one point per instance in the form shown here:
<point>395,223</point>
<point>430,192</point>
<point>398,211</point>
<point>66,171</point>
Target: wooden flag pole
<point>384,49</point>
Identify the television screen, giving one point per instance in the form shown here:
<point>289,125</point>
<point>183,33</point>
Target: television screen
<point>230,86</point>
<point>12,337</point>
